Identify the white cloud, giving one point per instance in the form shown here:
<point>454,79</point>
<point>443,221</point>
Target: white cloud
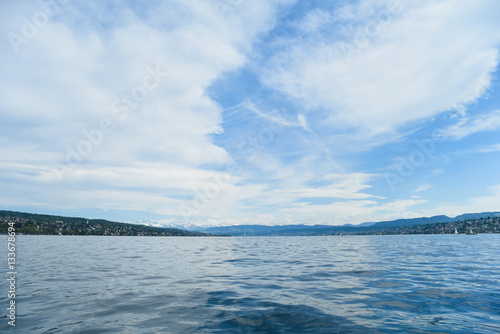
<point>355,211</point>
<point>165,152</point>
<point>489,202</point>
<point>415,62</point>
<point>314,20</point>
<point>292,197</point>
<point>488,149</point>
<point>66,80</point>
<point>437,172</point>
<point>346,186</point>
<point>468,126</point>
<point>423,187</point>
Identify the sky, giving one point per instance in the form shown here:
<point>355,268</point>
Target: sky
<point>231,112</point>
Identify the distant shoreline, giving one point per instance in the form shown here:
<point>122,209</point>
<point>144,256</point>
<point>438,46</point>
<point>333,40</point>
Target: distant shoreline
<point>37,224</point>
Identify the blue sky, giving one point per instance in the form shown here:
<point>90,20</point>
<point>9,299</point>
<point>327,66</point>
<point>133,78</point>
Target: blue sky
<point>250,112</point>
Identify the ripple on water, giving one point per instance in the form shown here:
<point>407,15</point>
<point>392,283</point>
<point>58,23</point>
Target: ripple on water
<point>374,284</point>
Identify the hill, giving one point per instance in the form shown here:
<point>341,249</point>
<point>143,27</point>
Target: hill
<point>435,219</point>
<point>30,223</point>
<point>366,228</point>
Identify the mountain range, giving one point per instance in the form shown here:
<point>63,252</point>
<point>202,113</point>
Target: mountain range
<point>301,229</point>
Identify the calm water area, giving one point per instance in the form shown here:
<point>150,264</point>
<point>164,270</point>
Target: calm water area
<point>351,284</point>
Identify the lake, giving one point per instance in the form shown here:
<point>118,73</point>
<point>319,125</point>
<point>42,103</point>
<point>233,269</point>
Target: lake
<point>352,284</point>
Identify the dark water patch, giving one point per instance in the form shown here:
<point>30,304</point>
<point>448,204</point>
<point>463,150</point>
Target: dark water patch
<point>257,316</point>
<point>379,284</point>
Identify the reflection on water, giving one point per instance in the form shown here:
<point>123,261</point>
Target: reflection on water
<point>365,284</point>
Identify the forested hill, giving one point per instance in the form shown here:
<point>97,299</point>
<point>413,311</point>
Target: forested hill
<point>30,223</point>
<point>435,219</point>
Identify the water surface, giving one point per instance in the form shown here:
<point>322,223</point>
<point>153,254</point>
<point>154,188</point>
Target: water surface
<point>355,284</point>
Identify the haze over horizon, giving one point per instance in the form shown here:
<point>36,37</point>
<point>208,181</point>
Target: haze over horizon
<point>250,112</point>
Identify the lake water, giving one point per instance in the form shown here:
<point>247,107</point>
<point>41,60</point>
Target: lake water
<point>354,284</point>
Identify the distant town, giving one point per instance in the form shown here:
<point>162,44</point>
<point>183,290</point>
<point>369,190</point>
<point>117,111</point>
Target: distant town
<point>28,223</point>
<point>36,224</point>
<point>480,225</point>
